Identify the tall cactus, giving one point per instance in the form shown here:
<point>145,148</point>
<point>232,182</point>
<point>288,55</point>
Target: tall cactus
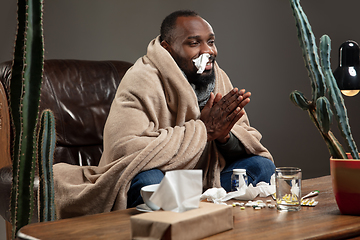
<point>323,83</point>
<point>25,88</point>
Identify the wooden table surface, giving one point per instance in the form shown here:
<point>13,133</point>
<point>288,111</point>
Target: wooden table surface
<point>323,221</point>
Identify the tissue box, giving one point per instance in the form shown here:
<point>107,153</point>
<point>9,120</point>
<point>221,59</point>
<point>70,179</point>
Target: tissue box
<point>204,221</point>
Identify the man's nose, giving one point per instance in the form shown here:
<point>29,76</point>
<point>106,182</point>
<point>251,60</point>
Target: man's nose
<point>207,49</point>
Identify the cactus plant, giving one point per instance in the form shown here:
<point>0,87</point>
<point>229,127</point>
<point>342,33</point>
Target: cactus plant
<point>326,97</point>
<point>45,154</point>
<point>24,104</point>
<point>25,87</point>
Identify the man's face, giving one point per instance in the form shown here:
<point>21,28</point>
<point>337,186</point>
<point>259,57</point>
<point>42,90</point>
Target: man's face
<point>192,37</point>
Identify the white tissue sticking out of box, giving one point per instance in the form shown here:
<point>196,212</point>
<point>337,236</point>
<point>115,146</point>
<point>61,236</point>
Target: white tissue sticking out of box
<point>179,191</point>
<point>200,62</point>
<point>245,193</point>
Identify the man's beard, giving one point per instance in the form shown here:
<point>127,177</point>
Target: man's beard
<point>201,80</point>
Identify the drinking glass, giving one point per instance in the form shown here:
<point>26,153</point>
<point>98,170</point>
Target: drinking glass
<point>288,188</point>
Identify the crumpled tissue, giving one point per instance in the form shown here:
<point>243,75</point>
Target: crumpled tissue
<point>179,191</point>
<point>295,189</point>
<point>245,193</point>
<point>201,61</point>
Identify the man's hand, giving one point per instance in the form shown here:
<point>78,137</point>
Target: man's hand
<point>221,113</point>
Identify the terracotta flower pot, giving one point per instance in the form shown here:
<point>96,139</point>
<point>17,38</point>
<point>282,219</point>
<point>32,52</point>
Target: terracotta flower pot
<point>345,174</point>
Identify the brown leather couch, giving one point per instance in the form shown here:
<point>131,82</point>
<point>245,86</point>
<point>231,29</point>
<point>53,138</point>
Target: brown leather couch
<point>80,94</point>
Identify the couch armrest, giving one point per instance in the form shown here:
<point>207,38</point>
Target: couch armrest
<point>5,157</point>
<point>5,191</point>
<point>5,138</point>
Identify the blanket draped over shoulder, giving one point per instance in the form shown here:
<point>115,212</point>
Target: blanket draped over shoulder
<point>153,123</point>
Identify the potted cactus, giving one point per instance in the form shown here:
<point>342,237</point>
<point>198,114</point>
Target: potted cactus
<point>30,145</point>
<point>327,103</point>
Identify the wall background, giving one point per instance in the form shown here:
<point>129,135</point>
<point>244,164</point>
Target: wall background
<point>257,44</point>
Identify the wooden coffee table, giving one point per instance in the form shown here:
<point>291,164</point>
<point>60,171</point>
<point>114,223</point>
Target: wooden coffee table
<point>323,221</point>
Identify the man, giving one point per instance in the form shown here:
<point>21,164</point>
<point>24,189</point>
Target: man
<point>167,116</point>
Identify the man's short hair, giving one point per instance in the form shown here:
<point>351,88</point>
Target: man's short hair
<point>168,24</point>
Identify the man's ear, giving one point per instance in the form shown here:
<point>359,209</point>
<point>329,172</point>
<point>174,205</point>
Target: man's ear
<point>166,45</point>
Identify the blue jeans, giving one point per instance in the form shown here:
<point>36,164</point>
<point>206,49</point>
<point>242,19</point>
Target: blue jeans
<point>257,169</point>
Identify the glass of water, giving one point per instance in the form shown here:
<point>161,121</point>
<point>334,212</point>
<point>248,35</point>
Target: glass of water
<point>288,188</point>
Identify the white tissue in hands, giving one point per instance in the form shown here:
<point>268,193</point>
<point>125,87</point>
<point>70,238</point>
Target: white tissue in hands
<point>200,62</point>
